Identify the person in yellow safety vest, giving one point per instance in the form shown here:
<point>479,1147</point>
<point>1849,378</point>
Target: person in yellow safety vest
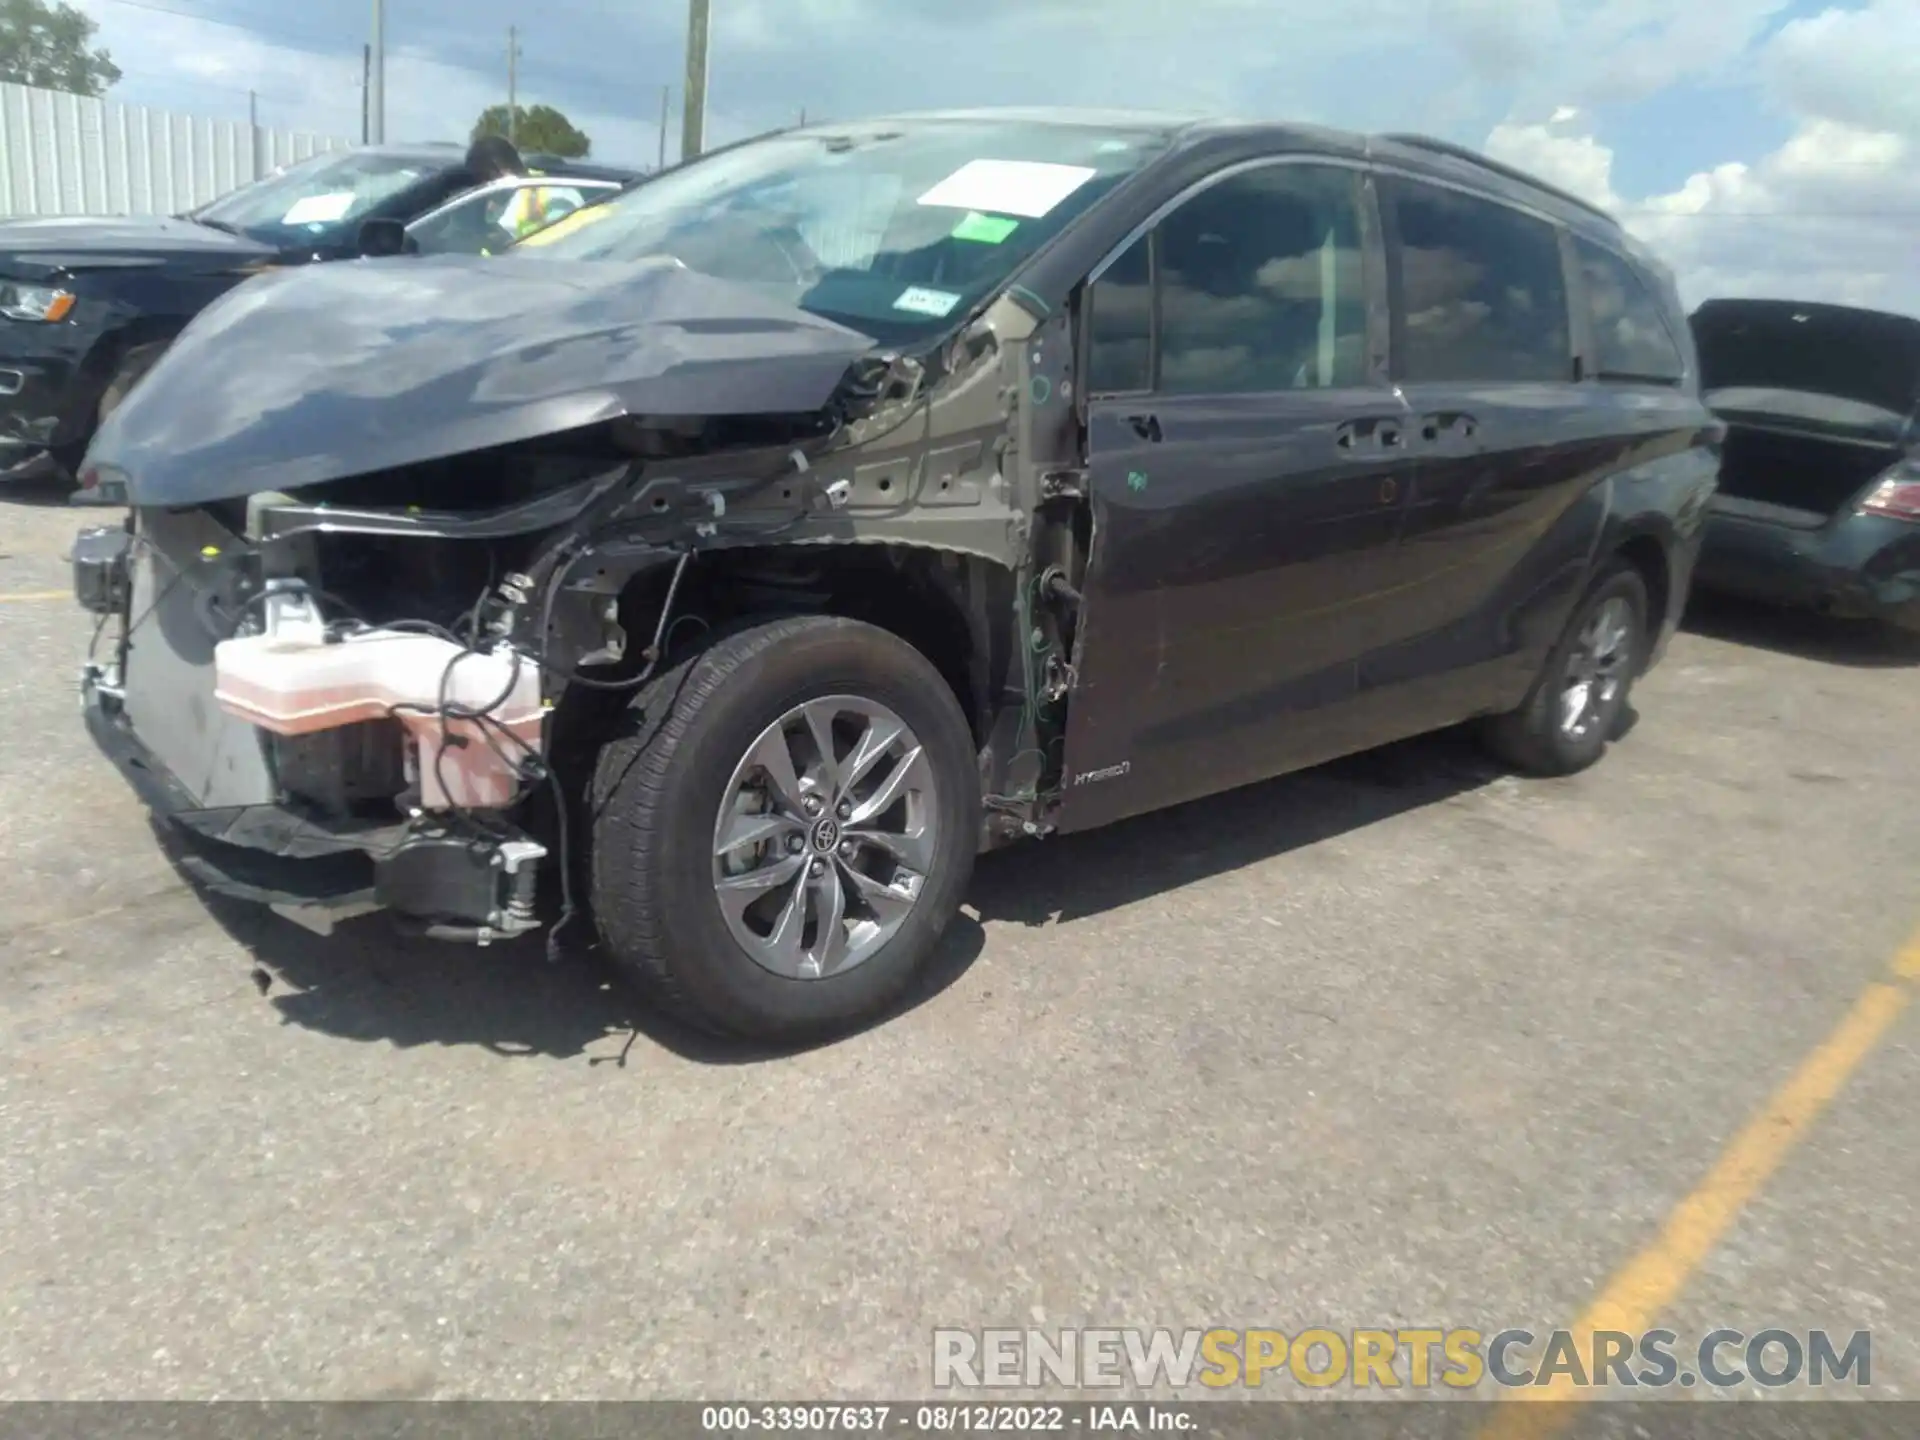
<point>529,208</point>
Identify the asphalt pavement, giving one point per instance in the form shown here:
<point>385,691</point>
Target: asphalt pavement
<point>1401,1041</point>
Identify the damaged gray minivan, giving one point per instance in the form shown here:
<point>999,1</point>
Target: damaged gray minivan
<point>747,553</point>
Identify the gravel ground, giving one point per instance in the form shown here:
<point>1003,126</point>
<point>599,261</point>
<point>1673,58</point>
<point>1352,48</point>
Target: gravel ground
<point>1399,1041</point>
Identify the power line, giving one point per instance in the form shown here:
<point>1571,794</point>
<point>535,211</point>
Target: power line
<point>189,86</point>
<point>623,82</point>
<point>155,7</point>
<point>564,71</point>
<point>607,77</point>
<point>1772,214</point>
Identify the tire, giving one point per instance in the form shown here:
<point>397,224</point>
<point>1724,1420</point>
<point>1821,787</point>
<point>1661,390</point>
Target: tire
<point>656,798</point>
<point>1536,738</point>
<point>69,455</point>
<point>134,364</point>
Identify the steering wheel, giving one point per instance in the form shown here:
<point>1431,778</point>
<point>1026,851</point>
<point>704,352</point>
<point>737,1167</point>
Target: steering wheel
<point>754,253</point>
<point>808,270</point>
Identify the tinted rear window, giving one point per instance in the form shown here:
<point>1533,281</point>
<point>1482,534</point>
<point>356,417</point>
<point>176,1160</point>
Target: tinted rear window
<point>1481,290</point>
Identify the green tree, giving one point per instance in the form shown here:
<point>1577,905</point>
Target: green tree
<point>542,128</point>
<point>49,45</point>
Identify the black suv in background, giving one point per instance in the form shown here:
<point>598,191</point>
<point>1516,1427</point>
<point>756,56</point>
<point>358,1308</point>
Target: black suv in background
<point>778,534</point>
<point>88,302</point>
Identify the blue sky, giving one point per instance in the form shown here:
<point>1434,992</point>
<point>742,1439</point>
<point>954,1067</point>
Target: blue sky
<point>1763,146</point>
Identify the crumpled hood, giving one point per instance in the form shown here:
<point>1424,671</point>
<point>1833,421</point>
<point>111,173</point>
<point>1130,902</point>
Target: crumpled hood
<point>1868,356</point>
<point>72,240</point>
<point>298,377</point>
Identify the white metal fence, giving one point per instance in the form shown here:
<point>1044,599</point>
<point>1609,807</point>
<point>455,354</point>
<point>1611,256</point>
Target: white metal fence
<point>66,154</point>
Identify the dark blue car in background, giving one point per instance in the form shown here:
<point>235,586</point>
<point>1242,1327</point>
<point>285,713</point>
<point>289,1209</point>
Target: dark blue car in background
<point>1819,499</point>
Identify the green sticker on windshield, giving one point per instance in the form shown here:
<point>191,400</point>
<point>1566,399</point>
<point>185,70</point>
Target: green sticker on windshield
<point>987,229</point>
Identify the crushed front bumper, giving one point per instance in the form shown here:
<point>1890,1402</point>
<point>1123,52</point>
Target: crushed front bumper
<point>452,884</point>
<point>49,396</point>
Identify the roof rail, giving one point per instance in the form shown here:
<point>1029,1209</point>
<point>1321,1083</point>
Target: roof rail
<point>1474,157</point>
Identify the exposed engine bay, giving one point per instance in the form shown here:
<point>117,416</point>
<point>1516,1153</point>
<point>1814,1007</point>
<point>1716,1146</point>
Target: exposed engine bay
<point>403,669</point>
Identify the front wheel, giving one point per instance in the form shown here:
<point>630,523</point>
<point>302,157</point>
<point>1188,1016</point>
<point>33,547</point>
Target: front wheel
<point>133,365</point>
<point>1577,703</point>
<point>778,848</point>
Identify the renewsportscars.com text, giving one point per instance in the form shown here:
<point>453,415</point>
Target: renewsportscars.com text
<point>1400,1358</point>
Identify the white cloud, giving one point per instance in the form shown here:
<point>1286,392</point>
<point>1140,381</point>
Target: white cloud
<point>183,64</point>
<point>1627,50</point>
<point>1860,67</point>
<point>1829,215</point>
<point>1558,155</point>
<point>1555,52</point>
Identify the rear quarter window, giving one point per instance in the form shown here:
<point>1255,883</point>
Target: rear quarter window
<point>1631,338</point>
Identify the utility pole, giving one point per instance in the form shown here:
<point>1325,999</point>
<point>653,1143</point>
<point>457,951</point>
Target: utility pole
<point>377,77</point>
<point>693,128</point>
<point>253,134</point>
<point>513,85</point>
<point>366,93</point>
<point>666,101</point>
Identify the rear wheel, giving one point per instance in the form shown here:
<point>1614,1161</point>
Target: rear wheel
<point>778,849</point>
<point>1577,703</point>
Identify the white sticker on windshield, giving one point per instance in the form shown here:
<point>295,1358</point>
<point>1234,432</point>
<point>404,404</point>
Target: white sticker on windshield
<point>1008,187</point>
<point>922,301</point>
<point>319,209</point>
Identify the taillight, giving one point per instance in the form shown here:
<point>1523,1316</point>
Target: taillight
<point>1897,496</point>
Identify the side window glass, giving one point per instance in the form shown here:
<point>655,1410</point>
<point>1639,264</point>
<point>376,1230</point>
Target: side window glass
<point>533,207</point>
<point>1482,294</point>
<point>1262,286</point>
<point>463,228</point>
<point>563,201</point>
<point>1629,335</point>
<point>1120,353</point>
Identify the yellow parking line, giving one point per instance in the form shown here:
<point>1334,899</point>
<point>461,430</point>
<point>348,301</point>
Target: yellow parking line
<point>1653,1278</point>
<point>26,595</point>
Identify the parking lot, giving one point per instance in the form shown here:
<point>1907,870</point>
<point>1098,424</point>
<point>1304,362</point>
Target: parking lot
<point>1404,1041</point>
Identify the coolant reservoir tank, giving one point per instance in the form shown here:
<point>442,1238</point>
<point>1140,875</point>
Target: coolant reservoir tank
<point>292,681</point>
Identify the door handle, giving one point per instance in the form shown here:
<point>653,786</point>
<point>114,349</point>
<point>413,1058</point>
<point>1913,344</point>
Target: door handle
<point>1147,427</point>
<point>1369,433</point>
<point>1444,424</point>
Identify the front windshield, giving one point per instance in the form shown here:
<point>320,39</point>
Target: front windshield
<point>317,198</point>
<point>894,228</point>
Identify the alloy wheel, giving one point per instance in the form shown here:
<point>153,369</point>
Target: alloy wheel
<point>825,837</point>
<point>1596,670</point>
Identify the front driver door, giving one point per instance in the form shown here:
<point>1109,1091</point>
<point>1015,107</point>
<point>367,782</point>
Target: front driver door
<point>1247,465</point>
